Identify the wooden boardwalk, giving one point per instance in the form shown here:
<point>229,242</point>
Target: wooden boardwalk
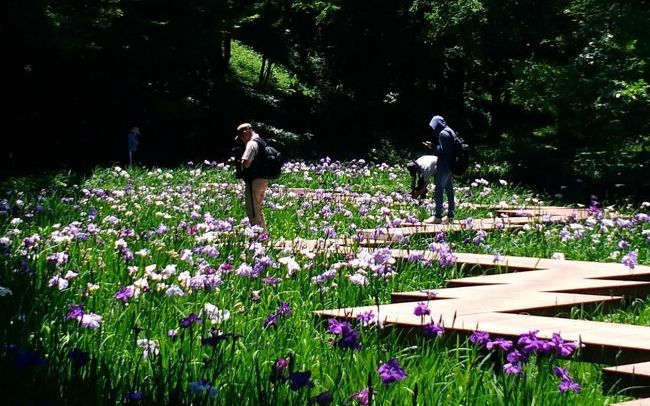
<point>514,303</point>
<point>527,296</point>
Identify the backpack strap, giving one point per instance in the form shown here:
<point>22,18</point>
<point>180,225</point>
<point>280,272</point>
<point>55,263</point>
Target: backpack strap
<point>260,141</point>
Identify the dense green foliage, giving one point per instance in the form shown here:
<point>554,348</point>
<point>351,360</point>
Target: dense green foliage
<point>543,85</point>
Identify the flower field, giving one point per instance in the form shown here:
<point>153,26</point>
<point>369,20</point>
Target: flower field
<point>149,286</point>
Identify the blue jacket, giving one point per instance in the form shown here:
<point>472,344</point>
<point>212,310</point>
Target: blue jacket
<point>443,147</point>
<point>133,141</point>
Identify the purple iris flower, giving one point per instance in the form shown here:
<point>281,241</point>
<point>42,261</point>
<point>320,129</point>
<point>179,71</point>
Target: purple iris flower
<point>323,398</point>
<point>203,387</point>
<point>277,372</point>
<point>631,259</point>
<point>336,327</point>
<point>641,218</point>
<point>516,357</point>
<point>382,256</point>
<point>500,343</point>
<point>512,368</point>
<point>594,210</point>
<point>127,232</point>
<point>561,373</point>
<point>433,330</point>
<point>58,258</point>
<point>561,347</point>
<point>329,232</point>
<point>367,318</point>
<point>281,364</point>
<point>216,337</point>
<point>300,379</point>
<point>226,267</point>
<point>480,237</point>
<point>324,277</point>
<point>79,358</point>
<point>30,242</point>
<point>284,310</point>
<point>26,359</point>
<point>531,343</point>
<point>349,336</point>
<point>363,396</point>
<point>349,340</point>
<point>189,321</point>
<point>270,280</point>
<point>124,294</point>
<point>566,386</point>
<point>421,309</point>
<point>127,255</point>
<point>415,256</point>
<point>271,321</point>
<point>133,397</point>
<point>162,229</point>
<point>479,337</point>
<point>390,372</point>
<point>75,312</point>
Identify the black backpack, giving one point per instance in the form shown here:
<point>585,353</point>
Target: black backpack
<point>270,160</point>
<point>460,163</point>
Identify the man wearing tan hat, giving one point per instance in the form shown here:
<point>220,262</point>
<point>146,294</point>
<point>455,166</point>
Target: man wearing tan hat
<point>255,185</point>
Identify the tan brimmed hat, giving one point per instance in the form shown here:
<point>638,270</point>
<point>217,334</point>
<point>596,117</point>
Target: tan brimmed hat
<point>241,127</point>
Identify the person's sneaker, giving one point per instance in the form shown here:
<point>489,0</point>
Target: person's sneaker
<point>437,220</point>
<point>449,220</point>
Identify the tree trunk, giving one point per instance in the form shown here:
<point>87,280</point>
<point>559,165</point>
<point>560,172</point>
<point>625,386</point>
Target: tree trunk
<point>260,78</point>
<point>266,70</point>
<point>226,50</point>
<point>269,72</point>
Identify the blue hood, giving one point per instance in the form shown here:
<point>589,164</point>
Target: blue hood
<point>438,124</point>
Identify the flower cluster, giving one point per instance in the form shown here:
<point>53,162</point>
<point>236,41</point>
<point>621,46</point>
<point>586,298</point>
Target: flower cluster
<point>567,383</point>
<point>391,371</point>
<point>283,310</point>
<point>527,345</point>
<point>444,253</point>
<point>281,372</point>
<point>348,337</point>
<point>90,321</point>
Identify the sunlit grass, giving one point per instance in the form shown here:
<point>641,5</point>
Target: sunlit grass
<point>245,64</point>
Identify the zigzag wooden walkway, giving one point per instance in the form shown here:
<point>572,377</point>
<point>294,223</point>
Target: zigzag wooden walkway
<point>510,304</point>
<point>514,303</point>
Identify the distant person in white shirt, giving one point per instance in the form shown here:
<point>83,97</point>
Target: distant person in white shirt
<point>421,170</point>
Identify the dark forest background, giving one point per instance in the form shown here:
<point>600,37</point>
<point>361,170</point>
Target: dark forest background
<point>558,90</point>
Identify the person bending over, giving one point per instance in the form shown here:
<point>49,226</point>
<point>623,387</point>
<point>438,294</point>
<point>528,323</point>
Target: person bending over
<point>421,171</point>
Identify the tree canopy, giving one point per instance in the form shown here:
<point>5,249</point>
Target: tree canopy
<point>559,75</point>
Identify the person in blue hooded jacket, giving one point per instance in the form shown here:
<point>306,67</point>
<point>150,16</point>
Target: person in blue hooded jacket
<point>132,143</point>
<point>443,148</point>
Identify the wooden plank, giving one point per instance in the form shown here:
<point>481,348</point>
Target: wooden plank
<point>634,402</point>
<point>495,291</point>
<point>582,286</point>
<point>634,377</point>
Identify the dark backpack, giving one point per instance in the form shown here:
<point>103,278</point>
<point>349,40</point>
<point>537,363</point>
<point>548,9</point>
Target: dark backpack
<point>270,161</point>
<point>460,163</point>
